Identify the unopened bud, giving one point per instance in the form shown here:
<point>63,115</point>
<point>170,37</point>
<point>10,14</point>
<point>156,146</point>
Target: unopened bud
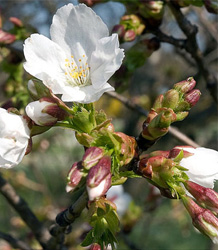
<point>152,9</point>
<point>92,157</point>
<point>6,38</point>
<point>211,6</point>
<point>176,151</point>
<point>192,97</point>
<point>206,197</point>
<point>45,112</point>
<point>16,21</point>
<point>95,246</point>
<point>171,99</point>
<point>127,150</point>
<point>119,29</point>
<point>74,176</point>
<point>186,85</point>
<point>203,219</point>
<point>99,178</point>
<point>129,36</point>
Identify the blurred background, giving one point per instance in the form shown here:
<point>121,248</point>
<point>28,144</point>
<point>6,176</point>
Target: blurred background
<point>153,222</point>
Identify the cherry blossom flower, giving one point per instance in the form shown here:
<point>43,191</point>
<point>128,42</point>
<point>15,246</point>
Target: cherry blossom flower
<point>80,57</point>
<point>202,165</point>
<point>14,138</point>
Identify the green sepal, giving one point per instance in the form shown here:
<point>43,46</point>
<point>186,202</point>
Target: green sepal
<point>83,121</point>
<point>37,130</point>
<point>179,157</point>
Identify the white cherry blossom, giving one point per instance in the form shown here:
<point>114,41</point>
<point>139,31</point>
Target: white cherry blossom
<point>14,138</point>
<point>202,165</point>
<point>80,57</point>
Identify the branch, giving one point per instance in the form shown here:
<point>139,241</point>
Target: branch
<point>190,31</point>
<point>172,130</point>
<point>15,243</point>
<point>64,220</point>
<point>41,233</point>
<point>180,43</point>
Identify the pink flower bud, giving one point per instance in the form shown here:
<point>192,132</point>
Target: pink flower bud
<point>129,36</point>
<point>99,178</point>
<point>186,85</point>
<point>206,197</point>
<point>6,38</point>
<point>45,112</point>
<point>92,157</point>
<point>74,176</point>
<point>16,21</point>
<point>192,97</point>
<point>204,220</point>
<point>119,29</point>
<point>95,246</point>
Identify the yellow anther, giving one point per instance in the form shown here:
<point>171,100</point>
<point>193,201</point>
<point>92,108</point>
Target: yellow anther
<point>65,73</point>
<point>80,67</point>
<point>75,75</point>
<point>71,56</point>
<point>80,60</point>
<point>83,55</point>
<point>66,60</point>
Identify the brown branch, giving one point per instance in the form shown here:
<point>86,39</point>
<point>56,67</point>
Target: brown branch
<point>41,233</point>
<point>64,220</point>
<point>15,243</point>
<point>192,47</point>
<point>172,130</point>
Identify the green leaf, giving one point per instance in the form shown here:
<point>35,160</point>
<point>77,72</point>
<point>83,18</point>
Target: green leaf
<point>129,174</point>
<point>179,157</point>
<point>100,117</point>
<point>89,239</point>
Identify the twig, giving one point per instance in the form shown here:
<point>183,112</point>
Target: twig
<point>64,220</point>
<point>179,43</point>
<point>15,243</point>
<point>172,130</point>
<point>191,46</point>
<point>21,207</point>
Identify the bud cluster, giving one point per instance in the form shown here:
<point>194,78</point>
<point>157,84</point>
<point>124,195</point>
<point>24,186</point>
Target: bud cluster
<point>130,26</point>
<point>170,107</point>
<point>174,173</point>
<point>94,170</point>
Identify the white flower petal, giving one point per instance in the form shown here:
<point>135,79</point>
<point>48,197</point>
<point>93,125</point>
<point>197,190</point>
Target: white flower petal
<point>85,94</point>
<point>105,60</point>
<point>14,137</point>
<point>45,60</point>
<point>34,111</point>
<point>77,24</point>
<point>202,166</point>
<point>110,13</point>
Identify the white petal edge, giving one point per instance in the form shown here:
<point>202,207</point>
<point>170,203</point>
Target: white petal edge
<point>105,60</point>
<point>77,24</point>
<point>45,60</point>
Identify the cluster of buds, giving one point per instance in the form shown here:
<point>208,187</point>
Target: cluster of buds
<point>152,12</point>
<point>94,170</point>
<point>12,35</point>
<point>130,26</point>
<point>181,172</point>
<point>170,107</point>
<point>163,171</point>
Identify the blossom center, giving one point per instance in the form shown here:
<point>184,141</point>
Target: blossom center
<point>77,73</point>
